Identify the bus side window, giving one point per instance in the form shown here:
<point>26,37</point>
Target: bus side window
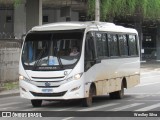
<point>133,50</point>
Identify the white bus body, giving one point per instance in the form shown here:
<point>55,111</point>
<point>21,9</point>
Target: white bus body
<point>108,62</point>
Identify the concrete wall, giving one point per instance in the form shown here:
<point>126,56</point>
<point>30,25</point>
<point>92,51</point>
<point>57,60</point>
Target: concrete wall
<point>9,60</point>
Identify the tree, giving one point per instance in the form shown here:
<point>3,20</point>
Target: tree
<point>148,9</point>
<point>16,2</point>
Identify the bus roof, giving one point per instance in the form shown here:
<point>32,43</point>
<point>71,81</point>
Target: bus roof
<point>92,25</point>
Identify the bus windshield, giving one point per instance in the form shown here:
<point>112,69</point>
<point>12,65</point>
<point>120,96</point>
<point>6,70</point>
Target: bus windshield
<point>47,50</point>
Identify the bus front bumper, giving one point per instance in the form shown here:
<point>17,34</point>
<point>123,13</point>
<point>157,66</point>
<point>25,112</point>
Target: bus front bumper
<point>70,90</point>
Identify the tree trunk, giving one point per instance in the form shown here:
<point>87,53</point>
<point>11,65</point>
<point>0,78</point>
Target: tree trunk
<point>138,27</point>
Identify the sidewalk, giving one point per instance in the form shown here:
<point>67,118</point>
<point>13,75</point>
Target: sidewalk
<point>9,93</point>
<point>150,66</point>
<point>145,67</point>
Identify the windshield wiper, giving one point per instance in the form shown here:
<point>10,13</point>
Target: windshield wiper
<point>40,55</point>
<point>38,58</point>
<point>60,62</point>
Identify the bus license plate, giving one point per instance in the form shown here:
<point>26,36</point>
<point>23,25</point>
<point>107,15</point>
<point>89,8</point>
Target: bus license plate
<point>47,90</point>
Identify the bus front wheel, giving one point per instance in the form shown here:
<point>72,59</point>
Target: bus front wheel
<point>87,102</point>
<point>36,103</point>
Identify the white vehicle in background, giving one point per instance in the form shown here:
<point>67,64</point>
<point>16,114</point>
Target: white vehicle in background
<point>108,61</point>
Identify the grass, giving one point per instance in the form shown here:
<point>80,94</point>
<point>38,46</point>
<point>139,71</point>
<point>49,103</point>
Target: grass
<point>10,85</point>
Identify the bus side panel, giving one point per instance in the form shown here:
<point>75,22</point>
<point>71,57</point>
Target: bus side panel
<point>105,86</point>
<point>133,81</point>
<point>113,71</point>
<point>114,85</point>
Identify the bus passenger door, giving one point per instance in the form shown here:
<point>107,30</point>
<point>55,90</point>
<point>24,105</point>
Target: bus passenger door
<point>94,69</point>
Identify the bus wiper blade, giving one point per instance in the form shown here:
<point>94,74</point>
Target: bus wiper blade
<point>38,58</point>
<point>60,62</point>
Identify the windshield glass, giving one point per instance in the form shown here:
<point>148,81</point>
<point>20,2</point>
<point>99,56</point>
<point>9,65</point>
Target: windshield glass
<point>43,49</point>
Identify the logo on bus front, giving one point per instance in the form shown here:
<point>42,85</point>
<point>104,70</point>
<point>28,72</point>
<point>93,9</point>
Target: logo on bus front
<point>47,84</point>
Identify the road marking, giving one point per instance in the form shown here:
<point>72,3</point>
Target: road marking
<point>31,109</point>
<point>9,108</point>
<point>64,109</point>
<point>92,108</point>
<point>150,76</point>
<point>68,118</point>
<point>125,107</point>
<point>143,96</point>
<point>149,107</point>
<point>14,103</point>
<point>144,100</point>
<point>98,107</point>
<point>158,93</point>
<point>141,85</point>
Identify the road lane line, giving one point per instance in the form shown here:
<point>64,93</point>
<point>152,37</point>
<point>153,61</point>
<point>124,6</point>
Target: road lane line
<point>141,85</point>
<point>149,107</point>
<point>144,100</point>
<point>68,118</point>
<point>9,108</point>
<point>93,108</point>
<point>150,77</point>
<point>125,107</point>
<point>32,109</point>
<point>98,107</point>
<point>158,93</point>
<point>7,104</point>
<point>64,109</point>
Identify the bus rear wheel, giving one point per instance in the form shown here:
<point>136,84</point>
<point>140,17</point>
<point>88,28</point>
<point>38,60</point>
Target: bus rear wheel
<point>118,94</point>
<point>87,102</point>
<point>36,103</point>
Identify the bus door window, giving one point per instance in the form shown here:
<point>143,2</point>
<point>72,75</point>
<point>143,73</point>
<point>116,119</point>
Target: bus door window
<point>89,50</point>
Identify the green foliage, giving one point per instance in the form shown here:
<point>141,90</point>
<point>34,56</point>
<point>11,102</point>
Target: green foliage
<point>16,2</point>
<point>10,85</point>
<point>149,9</point>
<point>91,8</point>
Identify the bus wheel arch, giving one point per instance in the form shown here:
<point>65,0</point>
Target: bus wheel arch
<point>124,82</point>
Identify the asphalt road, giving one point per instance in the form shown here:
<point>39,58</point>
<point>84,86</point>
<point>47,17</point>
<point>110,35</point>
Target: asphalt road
<point>144,97</point>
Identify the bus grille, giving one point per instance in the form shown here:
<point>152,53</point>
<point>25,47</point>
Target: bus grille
<point>48,94</point>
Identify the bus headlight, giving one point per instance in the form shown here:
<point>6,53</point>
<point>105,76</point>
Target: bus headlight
<point>21,77</point>
<point>75,77</point>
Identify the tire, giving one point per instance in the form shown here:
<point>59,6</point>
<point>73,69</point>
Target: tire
<point>118,94</point>
<point>36,103</point>
<point>112,95</point>
<point>87,102</point>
